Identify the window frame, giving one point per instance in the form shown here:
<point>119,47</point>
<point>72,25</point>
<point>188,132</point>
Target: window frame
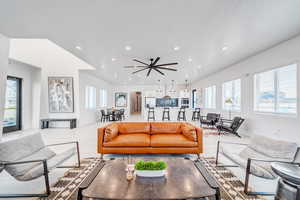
<point>215,98</point>
<point>103,91</point>
<point>233,92</point>
<point>276,86</point>
<point>88,98</point>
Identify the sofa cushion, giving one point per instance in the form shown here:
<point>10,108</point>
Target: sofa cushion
<point>134,127</point>
<point>129,140</point>
<point>189,132</point>
<point>276,149</point>
<point>171,140</point>
<point>111,131</point>
<point>165,128</point>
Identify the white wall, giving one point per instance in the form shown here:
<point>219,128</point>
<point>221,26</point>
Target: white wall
<point>266,124</point>
<point>4,49</point>
<point>27,73</point>
<point>88,116</point>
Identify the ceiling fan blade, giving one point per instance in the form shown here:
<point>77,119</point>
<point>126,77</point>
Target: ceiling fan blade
<point>139,70</point>
<point>167,68</point>
<point>158,71</point>
<point>149,72</point>
<point>133,66</point>
<point>155,61</point>
<point>140,62</point>
<point>167,64</point>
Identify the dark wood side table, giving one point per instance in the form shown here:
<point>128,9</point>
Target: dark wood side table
<point>185,179</point>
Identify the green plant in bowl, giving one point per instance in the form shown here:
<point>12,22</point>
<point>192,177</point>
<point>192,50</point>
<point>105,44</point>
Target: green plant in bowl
<point>150,165</point>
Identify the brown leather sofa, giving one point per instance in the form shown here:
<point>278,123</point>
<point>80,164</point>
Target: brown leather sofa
<point>150,138</point>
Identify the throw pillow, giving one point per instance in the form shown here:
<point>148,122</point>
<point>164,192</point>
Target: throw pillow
<point>189,131</point>
<point>111,131</point>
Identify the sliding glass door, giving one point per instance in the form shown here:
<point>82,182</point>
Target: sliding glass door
<point>12,110</point>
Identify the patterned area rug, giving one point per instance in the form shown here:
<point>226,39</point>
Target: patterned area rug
<point>66,187</point>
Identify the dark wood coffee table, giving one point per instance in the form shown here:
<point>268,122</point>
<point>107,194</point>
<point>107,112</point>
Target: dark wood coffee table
<point>185,179</point>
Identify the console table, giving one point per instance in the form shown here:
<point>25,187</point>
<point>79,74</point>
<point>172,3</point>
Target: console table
<point>45,122</point>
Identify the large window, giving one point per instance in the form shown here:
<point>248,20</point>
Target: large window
<point>231,92</point>
<point>103,97</point>
<point>13,102</point>
<point>90,97</point>
<point>210,97</point>
<point>276,90</point>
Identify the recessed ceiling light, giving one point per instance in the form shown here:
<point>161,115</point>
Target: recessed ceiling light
<point>128,48</point>
<point>113,59</point>
<point>186,76</point>
<point>116,75</point>
<point>199,66</point>
<point>176,48</point>
<point>190,59</point>
<point>224,48</point>
<point>102,66</point>
<point>78,48</point>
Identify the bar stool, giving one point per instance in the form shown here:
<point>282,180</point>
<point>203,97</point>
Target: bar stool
<point>151,114</point>
<point>181,114</point>
<point>166,114</point>
<point>196,114</point>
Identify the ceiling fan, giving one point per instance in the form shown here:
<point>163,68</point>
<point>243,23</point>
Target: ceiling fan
<point>152,66</point>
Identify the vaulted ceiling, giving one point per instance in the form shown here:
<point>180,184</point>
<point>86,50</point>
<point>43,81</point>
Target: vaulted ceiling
<point>203,36</point>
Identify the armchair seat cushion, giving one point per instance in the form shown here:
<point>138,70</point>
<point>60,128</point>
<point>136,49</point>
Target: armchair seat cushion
<point>21,169</point>
<point>129,140</point>
<point>171,140</point>
<point>260,169</point>
<point>38,170</point>
<point>224,128</point>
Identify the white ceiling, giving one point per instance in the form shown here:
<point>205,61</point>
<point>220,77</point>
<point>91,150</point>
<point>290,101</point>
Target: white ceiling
<point>201,28</point>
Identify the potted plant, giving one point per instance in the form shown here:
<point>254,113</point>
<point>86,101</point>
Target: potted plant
<point>150,168</point>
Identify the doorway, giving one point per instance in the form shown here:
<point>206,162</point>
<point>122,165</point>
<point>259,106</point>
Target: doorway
<point>13,105</point>
<point>136,103</point>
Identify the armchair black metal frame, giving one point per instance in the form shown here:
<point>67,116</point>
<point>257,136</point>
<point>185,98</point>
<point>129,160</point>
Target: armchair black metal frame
<point>45,169</point>
<point>248,169</point>
<point>210,119</point>
<point>232,128</point>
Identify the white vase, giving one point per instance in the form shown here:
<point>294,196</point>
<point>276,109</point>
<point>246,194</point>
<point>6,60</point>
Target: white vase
<point>150,173</point>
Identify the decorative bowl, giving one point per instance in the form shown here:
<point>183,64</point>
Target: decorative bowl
<point>150,173</point>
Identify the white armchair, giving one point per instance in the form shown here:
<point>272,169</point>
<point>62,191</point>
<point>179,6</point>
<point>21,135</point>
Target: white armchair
<point>27,158</point>
<point>257,156</point>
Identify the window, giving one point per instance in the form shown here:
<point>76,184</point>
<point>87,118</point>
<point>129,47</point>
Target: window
<point>103,97</point>
<point>276,90</point>
<point>210,97</point>
<point>13,101</point>
<point>90,97</point>
<point>194,98</point>
<point>231,91</point>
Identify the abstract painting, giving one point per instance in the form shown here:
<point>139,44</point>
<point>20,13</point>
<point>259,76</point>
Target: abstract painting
<point>121,99</point>
<point>61,98</point>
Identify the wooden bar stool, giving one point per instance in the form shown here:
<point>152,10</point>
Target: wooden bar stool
<point>181,114</point>
<point>151,114</point>
<point>166,114</point>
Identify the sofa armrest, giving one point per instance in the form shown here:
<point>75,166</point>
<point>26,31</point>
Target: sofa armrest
<point>200,138</point>
<point>101,132</point>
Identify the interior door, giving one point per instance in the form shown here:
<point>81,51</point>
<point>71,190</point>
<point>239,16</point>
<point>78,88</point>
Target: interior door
<point>13,102</point>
